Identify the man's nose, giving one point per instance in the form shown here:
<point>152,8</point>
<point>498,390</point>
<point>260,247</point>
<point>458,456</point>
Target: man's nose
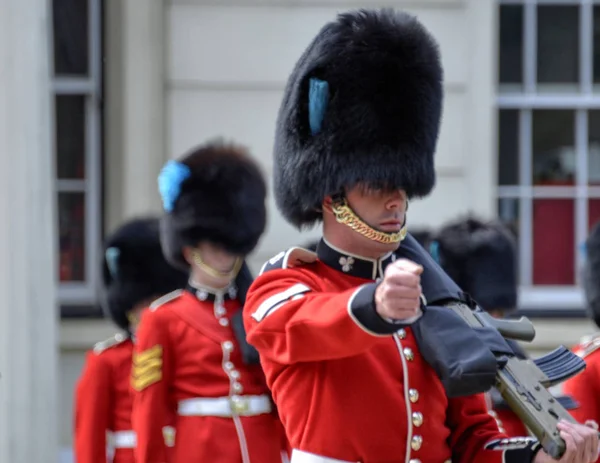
<point>396,200</point>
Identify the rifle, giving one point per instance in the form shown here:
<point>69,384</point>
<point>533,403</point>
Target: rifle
<point>568,402</point>
<point>523,383</point>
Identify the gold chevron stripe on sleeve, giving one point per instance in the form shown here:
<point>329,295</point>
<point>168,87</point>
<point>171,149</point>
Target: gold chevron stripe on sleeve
<point>142,382</point>
<point>147,368</point>
<point>153,352</point>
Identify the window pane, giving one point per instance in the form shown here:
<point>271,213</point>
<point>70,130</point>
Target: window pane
<point>70,23</point>
<point>553,147</point>
<point>511,44</point>
<point>553,242</point>
<point>597,44</point>
<point>71,217</point>
<point>508,214</point>
<point>508,149</point>
<point>558,44</point>
<point>594,147</point>
<point>70,136</point>
<point>593,219</point>
<point>593,212</point>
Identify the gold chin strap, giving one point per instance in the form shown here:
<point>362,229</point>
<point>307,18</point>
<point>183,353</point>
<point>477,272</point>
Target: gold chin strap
<point>214,272</point>
<point>344,214</point>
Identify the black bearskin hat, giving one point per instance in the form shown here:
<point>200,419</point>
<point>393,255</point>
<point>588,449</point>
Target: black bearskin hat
<point>362,106</point>
<point>481,258</point>
<point>134,269</point>
<point>591,274</point>
<point>215,193</point>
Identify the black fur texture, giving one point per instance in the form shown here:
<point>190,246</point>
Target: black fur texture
<point>223,201</point>
<point>591,274</point>
<point>381,125</point>
<point>141,270</point>
<point>481,257</point>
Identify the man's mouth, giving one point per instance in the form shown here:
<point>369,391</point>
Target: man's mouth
<point>390,225</point>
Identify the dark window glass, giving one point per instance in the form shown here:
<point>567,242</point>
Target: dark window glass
<point>553,147</point>
<point>70,136</point>
<point>71,37</point>
<point>71,216</point>
<point>511,44</point>
<point>558,44</point>
<point>508,147</point>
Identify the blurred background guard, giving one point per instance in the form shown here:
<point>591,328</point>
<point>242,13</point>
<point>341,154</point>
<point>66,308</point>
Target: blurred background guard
<point>481,258</point>
<point>585,387</point>
<point>192,357</point>
<point>134,273</point>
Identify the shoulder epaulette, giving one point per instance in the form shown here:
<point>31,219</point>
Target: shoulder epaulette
<point>293,257</point>
<point>589,345</point>
<point>166,298</point>
<point>113,341</point>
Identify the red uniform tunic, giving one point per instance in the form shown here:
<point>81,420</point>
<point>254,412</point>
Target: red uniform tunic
<point>508,422</point>
<point>347,392</point>
<point>585,387</point>
<point>187,362</point>
<point>103,401</point>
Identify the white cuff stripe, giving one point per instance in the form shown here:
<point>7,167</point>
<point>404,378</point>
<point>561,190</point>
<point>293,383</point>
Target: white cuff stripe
<point>275,302</point>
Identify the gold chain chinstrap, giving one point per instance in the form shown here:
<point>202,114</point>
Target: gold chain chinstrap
<point>344,214</point>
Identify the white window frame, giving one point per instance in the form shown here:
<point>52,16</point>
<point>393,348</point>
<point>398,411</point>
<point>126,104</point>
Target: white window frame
<point>553,297</point>
<point>85,292</point>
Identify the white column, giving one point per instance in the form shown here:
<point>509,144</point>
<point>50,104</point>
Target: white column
<point>28,310</point>
<point>135,107</point>
<point>481,138</point>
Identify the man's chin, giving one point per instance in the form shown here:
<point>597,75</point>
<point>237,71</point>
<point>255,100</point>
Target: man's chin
<point>225,270</point>
<point>390,246</point>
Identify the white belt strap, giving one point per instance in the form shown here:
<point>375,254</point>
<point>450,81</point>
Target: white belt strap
<point>123,439</point>
<point>299,456</point>
<point>237,405</point>
<point>128,440</point>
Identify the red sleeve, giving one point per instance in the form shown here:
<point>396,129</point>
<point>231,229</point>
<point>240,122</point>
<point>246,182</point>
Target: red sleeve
<point>511,423</point>
<point>92,410</point>
<point>289,320</point>
<point>150,378</point>
<point>475,437</point>
<point>585,389</point>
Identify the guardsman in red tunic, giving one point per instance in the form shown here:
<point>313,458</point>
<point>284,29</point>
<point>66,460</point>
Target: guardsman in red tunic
<point>134,273</point>
<point>481,257</point>
<point>191,357</point>
<point>356,134</point>
<point>585,387</point>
